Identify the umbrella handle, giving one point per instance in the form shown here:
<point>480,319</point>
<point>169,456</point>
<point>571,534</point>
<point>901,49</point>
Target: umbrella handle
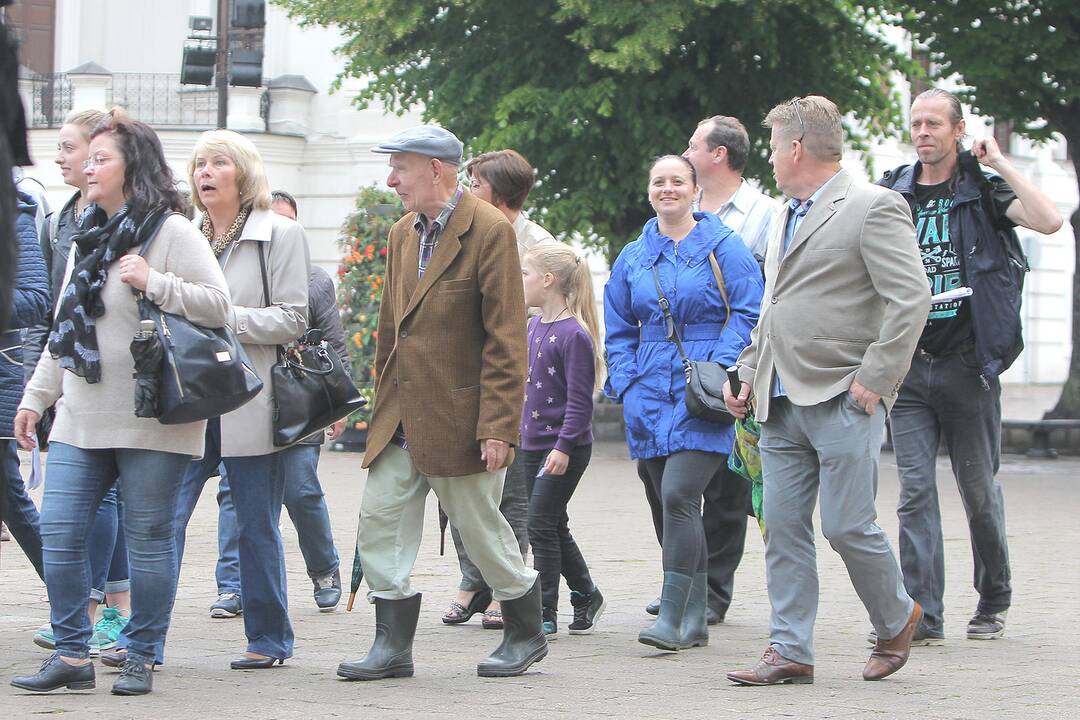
<point>352,599</point>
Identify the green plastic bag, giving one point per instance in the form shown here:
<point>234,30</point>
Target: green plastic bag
<point>745,459</point>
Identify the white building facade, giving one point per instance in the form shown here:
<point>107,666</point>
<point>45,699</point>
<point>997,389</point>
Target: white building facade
<point>316,144</point>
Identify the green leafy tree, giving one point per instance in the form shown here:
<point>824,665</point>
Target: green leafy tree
<point>590,90</point>
<point>1020,59</point>
<point>360,280</point>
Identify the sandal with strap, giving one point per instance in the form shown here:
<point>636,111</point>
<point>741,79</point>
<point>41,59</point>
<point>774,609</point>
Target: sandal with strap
<point>492,620</point>
<point>458,613</point>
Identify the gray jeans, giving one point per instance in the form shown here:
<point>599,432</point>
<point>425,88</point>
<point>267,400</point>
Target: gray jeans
<point>515,508</point>
<point>944,399</point>
<point>830,449</point>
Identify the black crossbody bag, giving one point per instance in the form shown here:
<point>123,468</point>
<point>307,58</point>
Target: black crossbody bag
<point>205,372</point>
<point>704,396</point>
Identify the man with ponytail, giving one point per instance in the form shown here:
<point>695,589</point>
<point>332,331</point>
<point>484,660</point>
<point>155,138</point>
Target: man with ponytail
<point>964,219</point>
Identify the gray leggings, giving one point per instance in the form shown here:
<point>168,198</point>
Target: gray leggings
<point>679,481</point>
<point>515,508</point>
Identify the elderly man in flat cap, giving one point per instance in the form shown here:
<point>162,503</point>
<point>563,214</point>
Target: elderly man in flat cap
<point>450,364</point>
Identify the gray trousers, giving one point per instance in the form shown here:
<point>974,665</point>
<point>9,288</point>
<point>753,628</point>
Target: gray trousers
<point>514,506</point>
<point>830,449</point>
<point>943,399</point>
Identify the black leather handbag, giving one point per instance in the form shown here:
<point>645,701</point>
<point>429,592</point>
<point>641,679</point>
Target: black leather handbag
<point>205,373</point>
<point>311,386</point>
<point>704,396</point>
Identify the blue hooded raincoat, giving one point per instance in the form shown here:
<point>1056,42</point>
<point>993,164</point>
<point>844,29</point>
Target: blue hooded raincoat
<point>645,371</point>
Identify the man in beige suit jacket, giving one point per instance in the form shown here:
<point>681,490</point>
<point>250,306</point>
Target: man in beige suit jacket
<point>845,300</point>
<point>450,366</point>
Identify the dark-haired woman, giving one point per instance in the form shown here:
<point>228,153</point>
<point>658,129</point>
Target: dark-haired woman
<point>96,439</point>
<point>676,452</point>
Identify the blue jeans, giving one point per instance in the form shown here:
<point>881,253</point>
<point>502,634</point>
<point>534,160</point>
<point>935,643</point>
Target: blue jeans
<point>108,549</point>
<point>78,480</point>
<point>257,487</point>
<point>943,399</point>
<point>307,507</point>
<point>21,514</point>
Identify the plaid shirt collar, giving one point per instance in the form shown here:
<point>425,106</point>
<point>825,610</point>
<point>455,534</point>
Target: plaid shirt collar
<point>429,232</point>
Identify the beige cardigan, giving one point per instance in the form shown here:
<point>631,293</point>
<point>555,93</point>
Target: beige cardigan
<point>185,280</point>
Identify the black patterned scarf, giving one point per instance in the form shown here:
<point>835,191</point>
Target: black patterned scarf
<point>102,241</point>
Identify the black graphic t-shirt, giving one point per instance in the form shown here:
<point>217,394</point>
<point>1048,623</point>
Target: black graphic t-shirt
<point>949,325</point>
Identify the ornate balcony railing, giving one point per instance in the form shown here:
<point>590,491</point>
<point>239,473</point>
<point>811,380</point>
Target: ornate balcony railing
<point>157,99</point>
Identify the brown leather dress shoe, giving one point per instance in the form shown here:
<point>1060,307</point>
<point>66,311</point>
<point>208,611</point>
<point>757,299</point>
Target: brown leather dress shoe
<point>774,669</point>
<point>889,656</point>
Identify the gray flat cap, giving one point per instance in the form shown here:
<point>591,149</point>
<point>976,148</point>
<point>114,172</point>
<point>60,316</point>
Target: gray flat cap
<point>426,140</point>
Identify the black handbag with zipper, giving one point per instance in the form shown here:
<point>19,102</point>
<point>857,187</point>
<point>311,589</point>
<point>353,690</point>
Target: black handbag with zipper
<point>205,372</point>
<point>311,387</point>
<point>704,396</point>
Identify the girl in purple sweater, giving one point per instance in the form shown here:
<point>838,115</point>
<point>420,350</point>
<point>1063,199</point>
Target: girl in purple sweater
<point>556,423</point>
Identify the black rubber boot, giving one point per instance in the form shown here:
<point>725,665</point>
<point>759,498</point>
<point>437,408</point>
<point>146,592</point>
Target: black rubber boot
<point>695,629</point>
<point>390,655</point>
<point>523,640</point>
<point>665,633</point>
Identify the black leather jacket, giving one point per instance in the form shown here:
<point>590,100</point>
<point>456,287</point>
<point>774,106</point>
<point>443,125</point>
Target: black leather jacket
<point>993,262</point>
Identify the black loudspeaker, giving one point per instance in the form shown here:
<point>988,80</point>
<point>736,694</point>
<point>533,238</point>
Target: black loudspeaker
<point>197,66</point>
<point>248,14</point>
<point>245,67</point>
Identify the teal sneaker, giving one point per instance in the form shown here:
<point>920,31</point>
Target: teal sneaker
<point>107,630</point>
<point>550,625</point>
<point>44,637</point>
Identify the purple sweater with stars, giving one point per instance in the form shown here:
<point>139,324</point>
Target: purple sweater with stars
<point>559,387</point>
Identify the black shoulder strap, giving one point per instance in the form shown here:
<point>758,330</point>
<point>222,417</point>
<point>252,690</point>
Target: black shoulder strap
<point>669,320</point>
<point>262,269</point>
<point>156,229</point>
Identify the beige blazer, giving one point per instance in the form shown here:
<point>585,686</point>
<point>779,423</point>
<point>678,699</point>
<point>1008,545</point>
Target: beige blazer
<point>847,301</point>
<point>248,430</point>
<point>450,356</point>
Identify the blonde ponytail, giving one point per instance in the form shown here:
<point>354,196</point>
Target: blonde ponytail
<point>574,280</point>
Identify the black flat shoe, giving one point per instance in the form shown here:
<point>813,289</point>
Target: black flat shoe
<point>54,674</point>
<point>135,679</point>
<point>246,663</point>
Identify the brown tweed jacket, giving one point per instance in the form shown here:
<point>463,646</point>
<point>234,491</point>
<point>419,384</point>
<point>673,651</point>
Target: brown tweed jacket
<point>450,357</point>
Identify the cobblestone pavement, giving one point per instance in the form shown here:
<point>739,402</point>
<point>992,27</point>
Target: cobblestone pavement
<point>1033,672</point>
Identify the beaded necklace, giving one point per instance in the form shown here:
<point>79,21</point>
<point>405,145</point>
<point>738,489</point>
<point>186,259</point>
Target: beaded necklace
<point>225,239</point>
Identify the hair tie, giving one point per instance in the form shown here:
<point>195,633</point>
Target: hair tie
<point>577,260</point>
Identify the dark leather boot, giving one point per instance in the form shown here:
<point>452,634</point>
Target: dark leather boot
<point>666,633</point>
<point>390,655</point>
<point>694,631</point>
<point>523,640</point>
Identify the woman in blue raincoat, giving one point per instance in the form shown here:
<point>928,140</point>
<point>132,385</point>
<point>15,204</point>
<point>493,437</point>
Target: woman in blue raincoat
<point>677,453</point>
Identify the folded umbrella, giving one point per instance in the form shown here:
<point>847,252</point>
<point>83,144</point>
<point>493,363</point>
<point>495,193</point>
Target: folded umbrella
<point>148,354</point>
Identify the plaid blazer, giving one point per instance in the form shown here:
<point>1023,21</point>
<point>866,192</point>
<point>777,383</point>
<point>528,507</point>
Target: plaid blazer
<point>450,356</point>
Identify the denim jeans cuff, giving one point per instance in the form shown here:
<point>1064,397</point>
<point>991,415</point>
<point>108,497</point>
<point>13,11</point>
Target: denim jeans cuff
<point>117,586</point>
<point>223,590</point>
<point>144,659</point>
<point>97,596</point>
<point>74,654</point>
<point>333,569</point>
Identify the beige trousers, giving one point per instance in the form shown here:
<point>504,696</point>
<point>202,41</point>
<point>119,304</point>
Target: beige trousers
<point>392,523</point>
